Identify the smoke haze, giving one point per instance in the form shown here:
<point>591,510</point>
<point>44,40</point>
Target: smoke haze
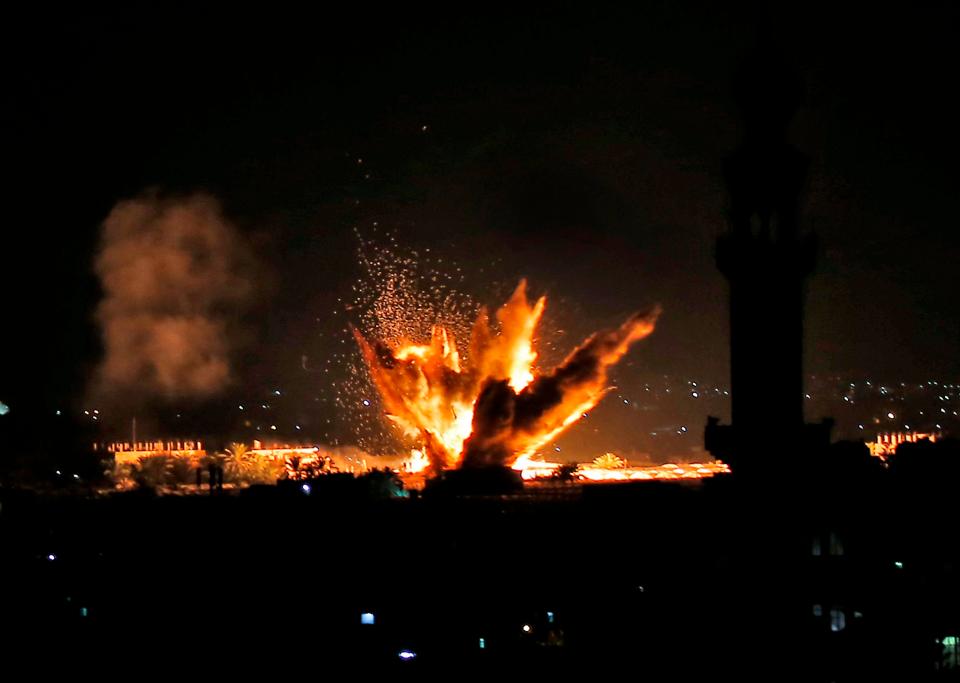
<point>176,277</point>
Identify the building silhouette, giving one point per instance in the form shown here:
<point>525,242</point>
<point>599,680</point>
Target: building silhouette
<point>766,257</point>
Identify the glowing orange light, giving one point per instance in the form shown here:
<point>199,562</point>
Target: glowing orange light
<point>431,393</point>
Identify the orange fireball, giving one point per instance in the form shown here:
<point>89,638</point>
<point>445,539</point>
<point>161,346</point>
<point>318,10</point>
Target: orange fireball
<point>490,408</point>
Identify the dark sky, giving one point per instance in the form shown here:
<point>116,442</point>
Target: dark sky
<point>578,146</point>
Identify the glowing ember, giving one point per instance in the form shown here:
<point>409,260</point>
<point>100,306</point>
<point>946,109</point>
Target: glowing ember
<point>491,408</point>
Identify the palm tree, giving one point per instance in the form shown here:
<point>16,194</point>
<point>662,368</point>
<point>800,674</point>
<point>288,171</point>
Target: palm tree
<point>237,451</point>
<point>237,458</point>
<point>610,461</point>
<point>245,467</point>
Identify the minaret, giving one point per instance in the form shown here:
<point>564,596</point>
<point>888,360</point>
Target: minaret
<point>766,259</point>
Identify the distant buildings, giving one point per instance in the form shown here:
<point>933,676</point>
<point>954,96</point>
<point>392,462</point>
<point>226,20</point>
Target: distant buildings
<point>126,452</point>
<point>886,444</point>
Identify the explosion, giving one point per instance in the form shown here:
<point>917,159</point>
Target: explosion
<point>490,407</point>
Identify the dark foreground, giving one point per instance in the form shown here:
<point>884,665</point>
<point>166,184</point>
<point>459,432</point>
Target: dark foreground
<point>662,581</point>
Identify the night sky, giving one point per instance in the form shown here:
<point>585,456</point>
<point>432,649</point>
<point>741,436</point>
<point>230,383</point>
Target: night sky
<point>580,148</point>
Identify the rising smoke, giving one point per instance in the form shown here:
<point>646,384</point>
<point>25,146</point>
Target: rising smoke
<point>176,277</point>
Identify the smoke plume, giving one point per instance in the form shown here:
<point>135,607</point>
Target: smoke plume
<point>175,277</point>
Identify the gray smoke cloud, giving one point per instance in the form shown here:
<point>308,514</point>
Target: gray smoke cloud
<point>176,277</point>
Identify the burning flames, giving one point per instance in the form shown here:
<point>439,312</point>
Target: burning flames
<point>416,463</point>
<point>491,408</point>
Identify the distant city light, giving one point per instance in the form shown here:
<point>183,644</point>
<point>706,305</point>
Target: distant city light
<point>483,643</point>
<point>366,402</point>
<point>549,617</point>
<point>58,412</point>
<point>273,427</point>
<point>297,427</point>
<point>891,415</point>
<point>276,392</point>
<point>367,619</point>
<point>83,611</point>
<point>527,628</point>
<point>4,408</point>
<point>51,557</point>
<point>240,407</point>
<point>898,565</point>
<point>407,655</point>
<point>695,394</point>
<point>306,489</point>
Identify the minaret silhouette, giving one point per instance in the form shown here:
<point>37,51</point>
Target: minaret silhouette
<point>766,259</point>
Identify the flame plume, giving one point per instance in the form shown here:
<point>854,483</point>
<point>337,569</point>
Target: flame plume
<point>490,408</point>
